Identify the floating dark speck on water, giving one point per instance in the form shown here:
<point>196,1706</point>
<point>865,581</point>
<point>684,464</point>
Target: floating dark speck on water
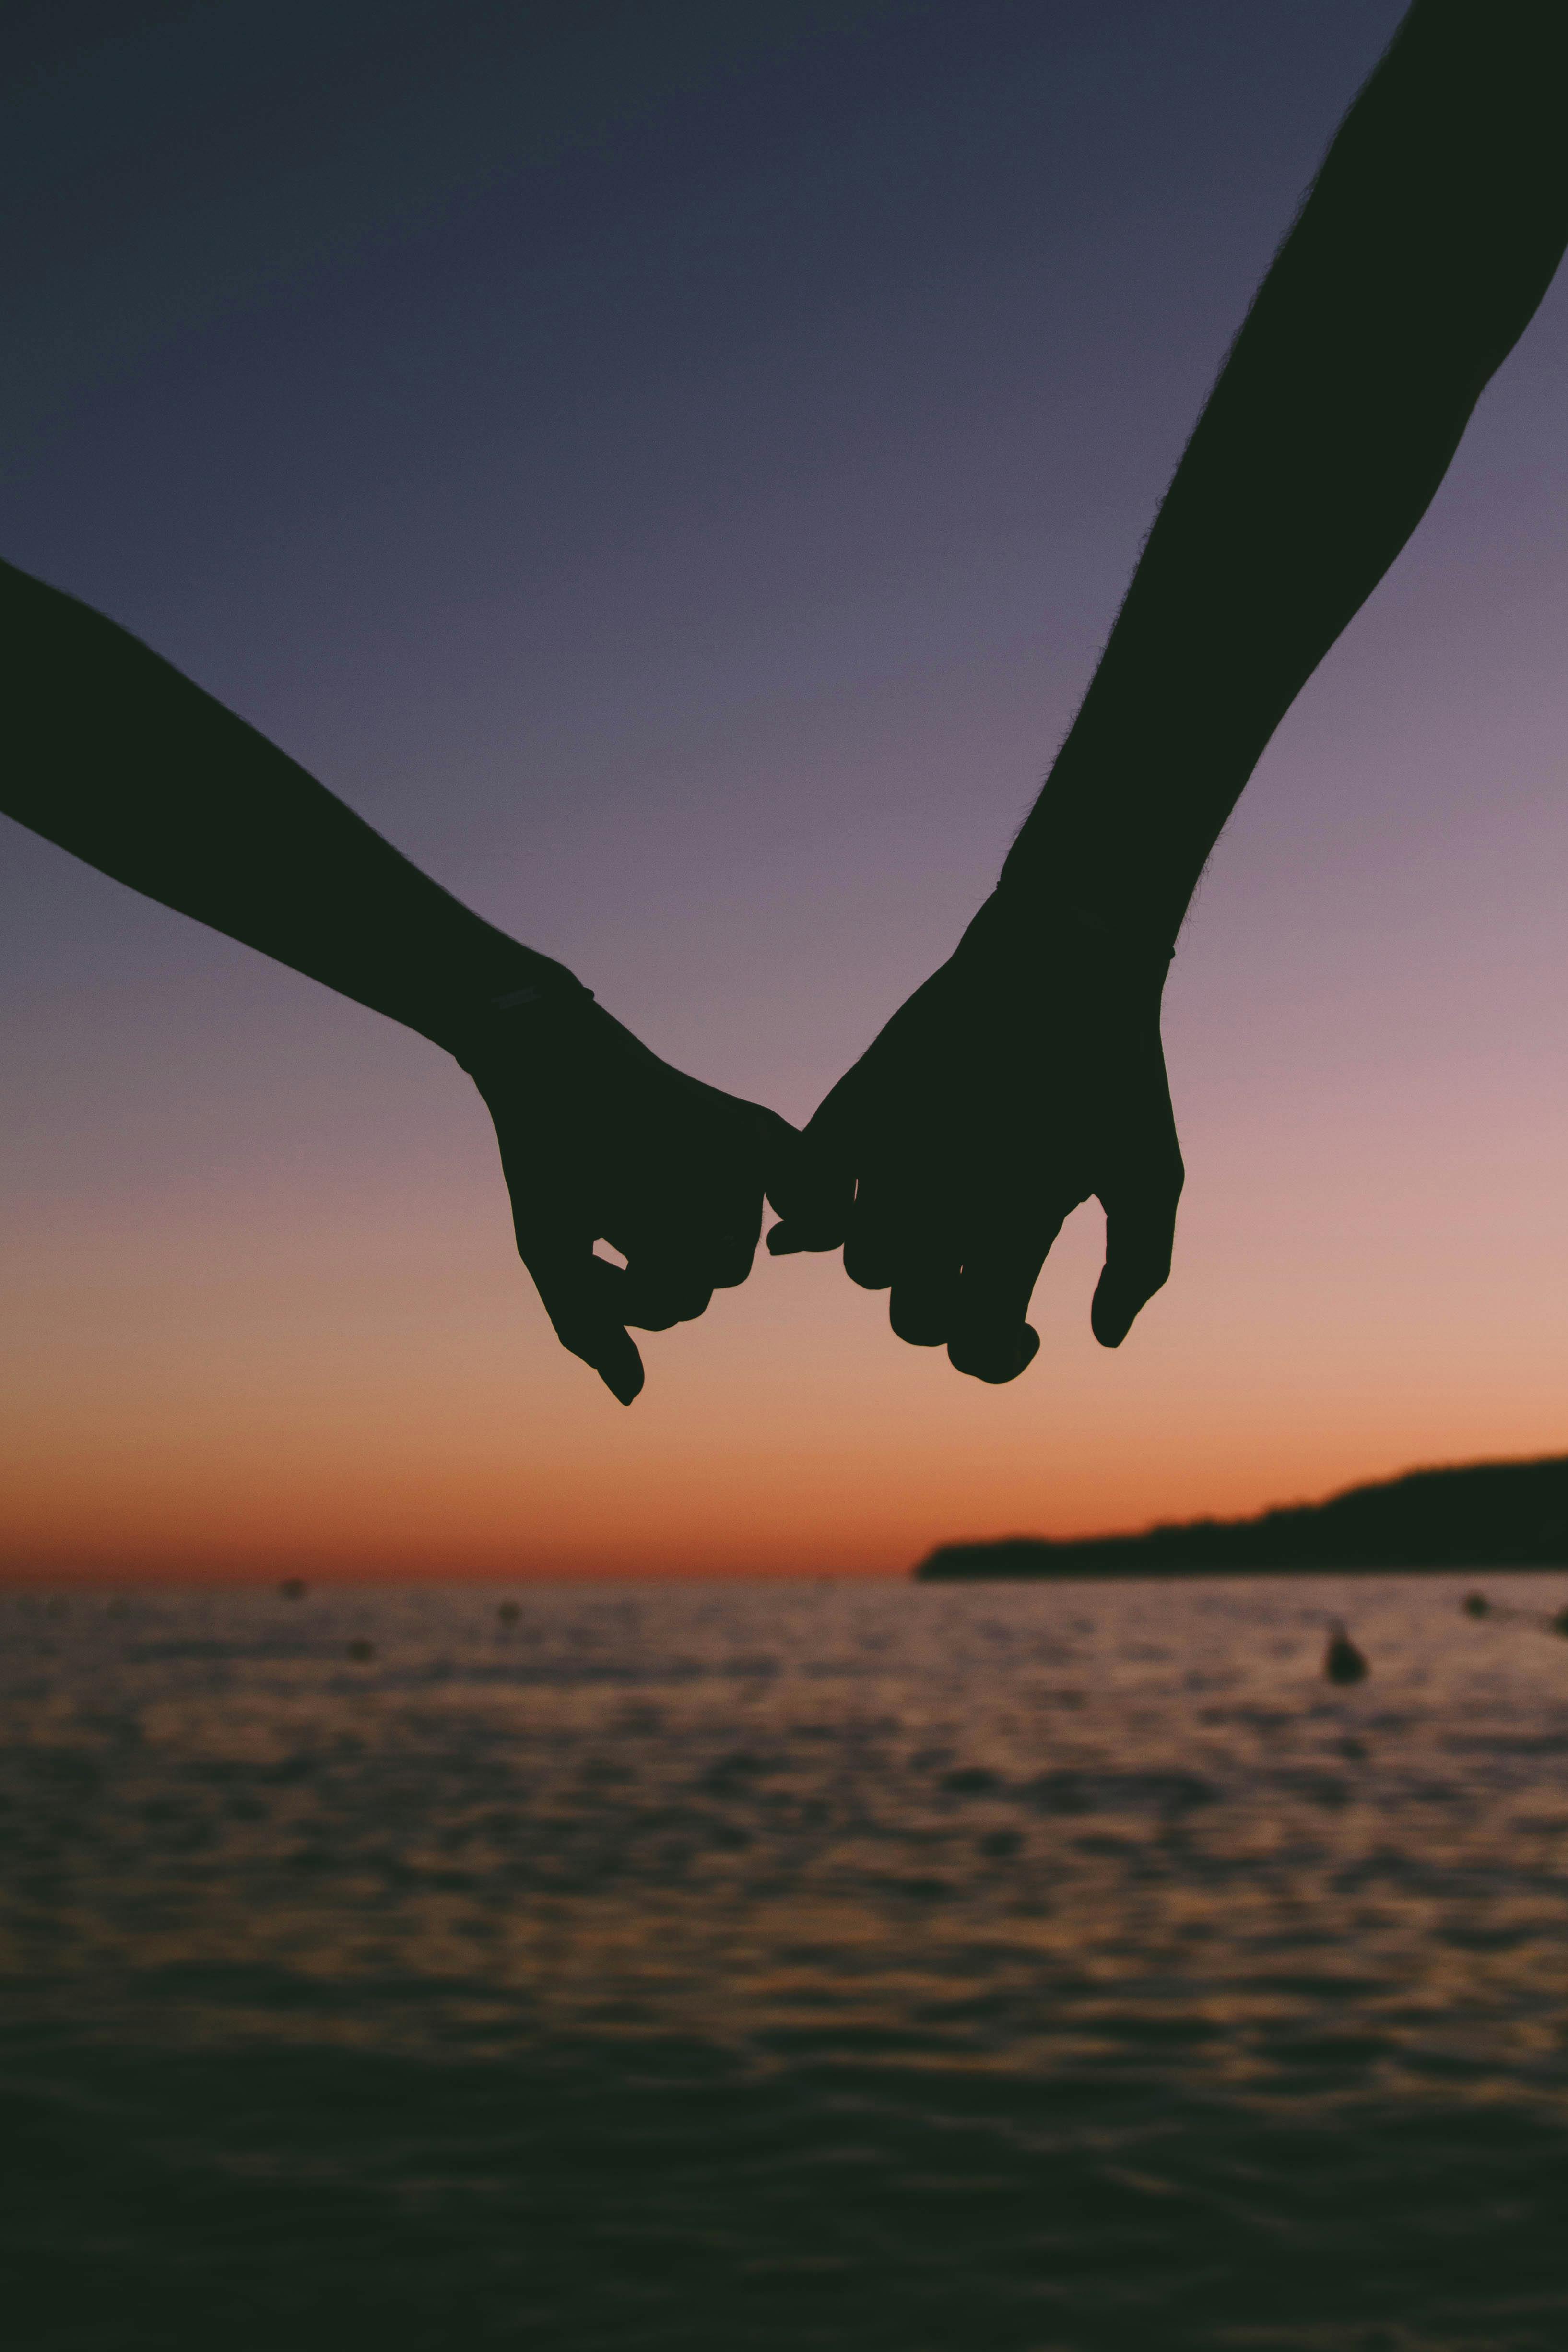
<point>508,1612</point>
<point>293,1588</point>
<point>1476,1604</point>
<point>361,1651</point>
<point>1343,1662</point>
<point>1560,1623</point>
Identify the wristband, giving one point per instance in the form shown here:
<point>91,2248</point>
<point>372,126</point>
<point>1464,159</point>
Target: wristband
<point>513,1015</point>
<point>515,998</point>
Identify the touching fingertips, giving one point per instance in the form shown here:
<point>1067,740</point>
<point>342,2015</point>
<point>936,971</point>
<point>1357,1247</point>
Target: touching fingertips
<point>793,1237</point>
<point>797,1231</point>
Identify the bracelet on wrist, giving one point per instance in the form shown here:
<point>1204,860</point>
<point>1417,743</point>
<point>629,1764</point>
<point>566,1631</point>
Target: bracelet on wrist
<point>516,1013</point>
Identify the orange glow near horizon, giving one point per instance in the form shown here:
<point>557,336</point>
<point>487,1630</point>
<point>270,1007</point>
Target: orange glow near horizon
<point>350,1423</point>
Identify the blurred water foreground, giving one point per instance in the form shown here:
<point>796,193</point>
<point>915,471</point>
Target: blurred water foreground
<point>814,1969</point>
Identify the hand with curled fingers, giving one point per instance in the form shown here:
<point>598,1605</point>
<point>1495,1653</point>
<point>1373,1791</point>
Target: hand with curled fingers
<point>1025,1075</point>
<point>600,1140</point>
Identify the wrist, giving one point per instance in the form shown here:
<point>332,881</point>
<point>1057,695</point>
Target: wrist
<point>1063,872</point>
<point>1125,822</point>
<point>1024,931</point>
<point>535,1001</point>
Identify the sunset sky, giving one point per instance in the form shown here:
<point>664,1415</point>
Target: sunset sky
<point>671,468</point>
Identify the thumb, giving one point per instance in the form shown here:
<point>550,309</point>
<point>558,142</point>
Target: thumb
<point>1140,1234</point>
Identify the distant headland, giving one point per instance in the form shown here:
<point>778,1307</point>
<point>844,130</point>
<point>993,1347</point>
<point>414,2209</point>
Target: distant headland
<point>1479,1515</point>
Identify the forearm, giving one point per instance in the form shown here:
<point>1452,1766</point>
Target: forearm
<point>1422,252</point>
<point>115,756</point>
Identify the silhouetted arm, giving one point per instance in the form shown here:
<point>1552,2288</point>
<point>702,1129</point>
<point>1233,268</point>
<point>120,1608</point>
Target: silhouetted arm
<point>1028,1073</point>
<point>1418,259</point>
<point>110,753</point>
<point>116,756</point>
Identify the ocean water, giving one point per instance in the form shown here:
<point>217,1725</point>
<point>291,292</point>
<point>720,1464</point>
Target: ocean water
<point>815,1967</point>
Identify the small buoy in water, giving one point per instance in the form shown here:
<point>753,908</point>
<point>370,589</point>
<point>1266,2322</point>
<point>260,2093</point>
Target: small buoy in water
<point>292,1588</point>
<point>1343,1662</point>
<point>362,1651</point>
<point>1560,1623</point>
<point>508,1612</point>
<point>1476,1604</point>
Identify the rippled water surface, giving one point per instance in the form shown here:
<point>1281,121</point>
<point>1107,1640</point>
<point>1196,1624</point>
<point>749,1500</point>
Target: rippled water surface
<point>1063,1968</point>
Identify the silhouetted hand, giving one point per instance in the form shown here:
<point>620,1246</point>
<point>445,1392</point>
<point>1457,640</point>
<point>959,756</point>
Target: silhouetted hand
<point>600,1140</point>
<point>1024,1076</point>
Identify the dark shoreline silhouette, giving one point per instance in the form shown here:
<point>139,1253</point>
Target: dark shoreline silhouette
<point>1478,1515</point>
